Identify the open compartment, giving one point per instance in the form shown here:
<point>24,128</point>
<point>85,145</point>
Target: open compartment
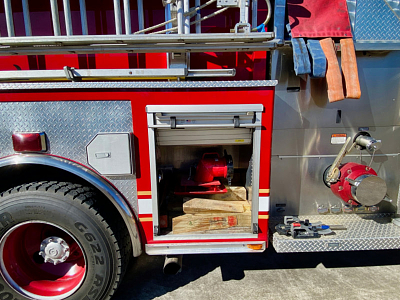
<point>203,168</point>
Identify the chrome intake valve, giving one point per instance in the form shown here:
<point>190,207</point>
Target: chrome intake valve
<point>356,184</point>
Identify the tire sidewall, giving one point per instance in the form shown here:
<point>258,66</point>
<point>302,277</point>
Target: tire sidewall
<point>76,219</point>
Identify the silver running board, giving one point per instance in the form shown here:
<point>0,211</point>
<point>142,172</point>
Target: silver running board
<point>364,232</point>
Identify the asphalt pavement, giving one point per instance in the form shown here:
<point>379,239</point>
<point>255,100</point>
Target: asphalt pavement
<point>318,276</point>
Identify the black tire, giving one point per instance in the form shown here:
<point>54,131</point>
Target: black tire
<point>31,212</point>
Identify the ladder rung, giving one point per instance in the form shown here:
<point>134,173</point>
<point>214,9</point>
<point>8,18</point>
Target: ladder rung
<point>82,8</point>
<point>55,18</point>
<point>117,16</point>
<point>9,18</point>
<point>27,19</point>
<point>127,16</point>
<point>67,17</point>
<point>140,14</point>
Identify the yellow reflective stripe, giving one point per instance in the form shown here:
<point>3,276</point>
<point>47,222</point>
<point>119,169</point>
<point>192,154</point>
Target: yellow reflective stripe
<point>146,219</point>
<point>144,193</point>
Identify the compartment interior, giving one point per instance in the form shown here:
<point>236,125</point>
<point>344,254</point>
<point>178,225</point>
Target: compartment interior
<point>190,209</point>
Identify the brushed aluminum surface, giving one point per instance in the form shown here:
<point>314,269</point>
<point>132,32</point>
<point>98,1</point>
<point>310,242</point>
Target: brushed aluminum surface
<point>309,108</point>
<point>69,126</point>
<point>364,232</point>
<point>304,122</point>
<point>110,154</point>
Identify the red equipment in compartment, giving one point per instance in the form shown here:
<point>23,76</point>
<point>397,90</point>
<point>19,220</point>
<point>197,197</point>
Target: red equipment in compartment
<point>209,167</point>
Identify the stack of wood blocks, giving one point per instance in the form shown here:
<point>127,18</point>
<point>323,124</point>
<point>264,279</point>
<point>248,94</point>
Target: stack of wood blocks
<point>214,212</point>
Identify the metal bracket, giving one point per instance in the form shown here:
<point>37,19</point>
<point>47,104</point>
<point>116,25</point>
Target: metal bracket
<point>173,122</point>
<point>352,182</point>
<point>236,122</point>
<point>166,2</point>
<point>246,27</point>
<point>255,228</point>
<point>69,73</point>
<point>228,3</point>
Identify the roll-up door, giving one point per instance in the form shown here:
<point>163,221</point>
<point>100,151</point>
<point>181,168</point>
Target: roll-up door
<point>198,136</point>
<point>204,124</point>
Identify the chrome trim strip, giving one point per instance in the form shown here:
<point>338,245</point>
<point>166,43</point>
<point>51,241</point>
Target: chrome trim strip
<point>153,172</point>
<point>196,109</point>
<point>203,248</point>
<point>90,176</point>
<point>135,85</point>
<point>202,236</point>
<point>256,173</point>
<point>207,126</point>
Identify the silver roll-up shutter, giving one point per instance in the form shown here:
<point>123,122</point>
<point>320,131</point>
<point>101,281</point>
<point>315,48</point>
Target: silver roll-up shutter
<point>204,124</point>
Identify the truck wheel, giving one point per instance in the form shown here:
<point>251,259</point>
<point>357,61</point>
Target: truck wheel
<point>58,242</point>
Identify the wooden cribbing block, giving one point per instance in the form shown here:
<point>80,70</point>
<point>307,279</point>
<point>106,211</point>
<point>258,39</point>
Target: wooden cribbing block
<point>199,205</point>
<point>233,193</point>
<point>333,74</point>
<point>349,69</point>
<point>204,222</point>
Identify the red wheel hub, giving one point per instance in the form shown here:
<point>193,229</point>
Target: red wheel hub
<point>27,272</point>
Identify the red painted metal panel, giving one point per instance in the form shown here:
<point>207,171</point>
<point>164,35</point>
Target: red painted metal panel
<point>112,61</point>
<point>14,63</point>
<point>57,62</point>
<point>141,98</point>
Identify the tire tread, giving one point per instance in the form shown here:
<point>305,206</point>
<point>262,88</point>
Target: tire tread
<point>104,211</point>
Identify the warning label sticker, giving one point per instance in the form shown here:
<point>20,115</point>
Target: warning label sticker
<point>338,138</point>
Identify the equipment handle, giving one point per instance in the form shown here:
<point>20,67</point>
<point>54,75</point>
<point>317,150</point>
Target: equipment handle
<point>211,153</point>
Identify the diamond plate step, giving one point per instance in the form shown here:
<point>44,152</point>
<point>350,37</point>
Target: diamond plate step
<point>364,232</point>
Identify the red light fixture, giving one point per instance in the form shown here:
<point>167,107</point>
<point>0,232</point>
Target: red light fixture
<point>29,142</point>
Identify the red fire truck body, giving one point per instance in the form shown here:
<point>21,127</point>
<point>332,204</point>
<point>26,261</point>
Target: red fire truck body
<point>181,127</point>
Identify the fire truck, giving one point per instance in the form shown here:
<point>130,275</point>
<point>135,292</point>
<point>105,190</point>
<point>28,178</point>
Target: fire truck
<point>177,127</point>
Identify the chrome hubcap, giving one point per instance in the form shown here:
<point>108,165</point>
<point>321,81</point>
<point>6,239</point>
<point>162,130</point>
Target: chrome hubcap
<point>54,250</point>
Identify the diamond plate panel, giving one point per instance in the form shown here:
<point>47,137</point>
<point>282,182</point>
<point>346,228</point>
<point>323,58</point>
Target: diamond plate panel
<point>364,232</point>
<point>376,20</point>
<point>135,84</point>
<point>69,125</point>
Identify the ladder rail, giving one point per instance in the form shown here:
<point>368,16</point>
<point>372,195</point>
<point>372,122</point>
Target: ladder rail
<point>184,14</point>
<point>64,39</point>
